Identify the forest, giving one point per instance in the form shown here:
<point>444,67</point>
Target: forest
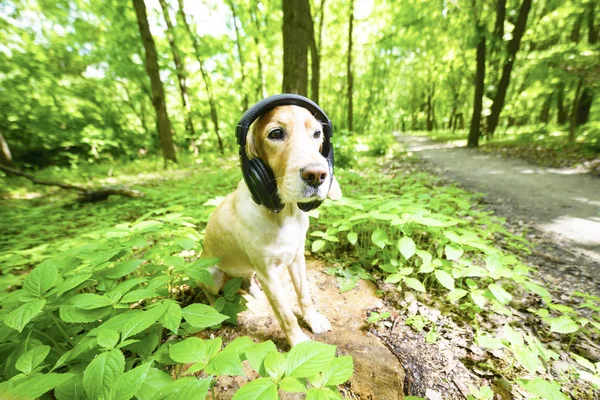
<point>117,142</point>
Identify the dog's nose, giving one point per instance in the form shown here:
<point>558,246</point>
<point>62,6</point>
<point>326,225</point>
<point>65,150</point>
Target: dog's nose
<point>313,175</point>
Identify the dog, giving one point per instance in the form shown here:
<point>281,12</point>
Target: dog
<point>252,240</point>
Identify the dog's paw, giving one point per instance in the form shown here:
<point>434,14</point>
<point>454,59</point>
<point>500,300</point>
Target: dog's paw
<point>318,322</point>
<point>298,338</point>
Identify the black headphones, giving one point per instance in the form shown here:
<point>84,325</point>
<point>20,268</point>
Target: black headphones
<point>257,174</point>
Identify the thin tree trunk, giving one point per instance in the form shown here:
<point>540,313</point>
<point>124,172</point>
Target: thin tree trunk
<point>350,113</point>
<point>512,48</point>
<point>158,94</point>
<point>5,155</point>
<point>240,55</point>
<point>181,74</point>
<point>211,101</point>
<point>296,31</point>
<point>545,112</point>
<point>261,79</point>
<point>587,95</point>
<point>574,113</point>
<point>430,112</point>
<point>562,114</point>
<point>475,129</point>
<point>315,55</point>
<point>497,41</point>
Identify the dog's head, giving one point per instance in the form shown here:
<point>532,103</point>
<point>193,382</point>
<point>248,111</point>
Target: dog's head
<point>289,139</point>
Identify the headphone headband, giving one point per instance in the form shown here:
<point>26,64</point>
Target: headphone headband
<point>269,103</point>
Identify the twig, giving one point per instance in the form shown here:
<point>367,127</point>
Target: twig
<point>85,195</point>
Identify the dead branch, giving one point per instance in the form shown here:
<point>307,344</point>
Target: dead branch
<point>86,195</point>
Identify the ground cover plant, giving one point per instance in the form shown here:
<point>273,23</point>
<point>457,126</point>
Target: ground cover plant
<point>110,307</point>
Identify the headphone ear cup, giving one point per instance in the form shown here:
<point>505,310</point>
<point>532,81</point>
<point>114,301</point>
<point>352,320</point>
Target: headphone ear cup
<point>264,184</point>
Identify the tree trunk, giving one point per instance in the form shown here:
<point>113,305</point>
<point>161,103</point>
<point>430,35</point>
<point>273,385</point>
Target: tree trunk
<point>497,41</point>
<point>475,129</point>
<point>587,96</point>
<point>574,112</point>
<point>512,48</point>
<point>181,74</point>
<point>211,101</point>
<point>158,94</point>
<point>349,73</point>
<point>5,155</point>
<point>296,40</point>
<point>430,111</point>
<point>315,55</point>
<point>562,115</point>
<point>545,112</point>
<point>261,79</point>
<point>238,44</point>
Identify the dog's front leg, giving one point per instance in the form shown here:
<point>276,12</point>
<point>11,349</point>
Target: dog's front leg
<point>318,322</point>
<point>281,308</point>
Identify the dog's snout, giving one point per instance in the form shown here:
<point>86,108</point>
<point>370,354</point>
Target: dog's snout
<point>313,175</point>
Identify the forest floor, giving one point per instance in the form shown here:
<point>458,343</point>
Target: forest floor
<point>558,209</point>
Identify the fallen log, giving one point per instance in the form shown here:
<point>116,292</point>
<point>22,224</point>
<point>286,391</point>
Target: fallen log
<point>86,195</point>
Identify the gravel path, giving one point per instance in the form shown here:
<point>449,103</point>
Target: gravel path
<point>562,205</point>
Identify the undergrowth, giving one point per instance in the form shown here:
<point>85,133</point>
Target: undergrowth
<point>111,306</point>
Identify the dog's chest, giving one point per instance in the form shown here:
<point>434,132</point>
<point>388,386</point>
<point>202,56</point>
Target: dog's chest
<point>279,245</point>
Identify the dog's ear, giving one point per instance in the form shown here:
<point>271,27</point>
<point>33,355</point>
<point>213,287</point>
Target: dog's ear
<point>335,192</point>
<point>250,143</point>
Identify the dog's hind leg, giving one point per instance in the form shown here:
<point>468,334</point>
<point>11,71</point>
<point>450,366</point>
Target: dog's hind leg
<point>219,278</point>
<point>318,322</point>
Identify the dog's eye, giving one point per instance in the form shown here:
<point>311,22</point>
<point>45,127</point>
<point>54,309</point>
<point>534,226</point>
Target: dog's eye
<point>317,134</point>
<point>276,134</point>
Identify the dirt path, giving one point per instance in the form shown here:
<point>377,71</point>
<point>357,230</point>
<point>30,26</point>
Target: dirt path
<point>562,205</point>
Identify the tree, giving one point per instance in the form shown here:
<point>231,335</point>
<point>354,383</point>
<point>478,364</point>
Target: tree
<point>180,72</point>
<point>475,128</point>
<point>240,54</point>
<point>512,48</point>
<point>315,54</point>
<point>297,32</point>
<point>211,100</point>
<point>349,73</point>
<point>5,155</point>
<point>158,94</point>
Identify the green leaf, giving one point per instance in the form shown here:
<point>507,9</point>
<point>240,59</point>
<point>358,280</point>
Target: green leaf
<point>500,294</point>
<point>262,388</point>
<point>256,355</point>
<point>307,358</point>
<point>445,279</point>
<point>453,252</point>
<point>292,385</point>
<point>184,388</point>
<point>339,370</point>
<point>90,301</point>
<point>321,394</point>
<point>155,380</point>
<point>71,389</point>
<point>478,298</point>
<point>225,363</point>
<point>317,245</point>
<point>127,385</point>
<point>74,314</point>
<point>142,321</point>
<point>202,316</point>
<point>108,338</point>
<point>239,345</point>
<point>41,279</point>
<point>171,319</point>
<point>379,238</point>
<point>102,373</point>
<point>123,268</point>
<point>138,295</point>
<point>489,342</point>
<point>528,359</point>
<point>200,274</point>
<point>275,364</point>
<point>563,324</point>
<point>407,247</point>
<point>537,289</point>
<point>394,278</point>
<point>19,317</point>
<point>547,390</point>
<point>71,283</point>
<point>29,360</point>
<point>414,284</point>
<point>513,336</point>
<point>457,294</point>
<point>352,238</point>
<point>38,384</point>
<point>187,351</point>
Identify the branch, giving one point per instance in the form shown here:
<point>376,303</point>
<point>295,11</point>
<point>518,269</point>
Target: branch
<point>85,195</point>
